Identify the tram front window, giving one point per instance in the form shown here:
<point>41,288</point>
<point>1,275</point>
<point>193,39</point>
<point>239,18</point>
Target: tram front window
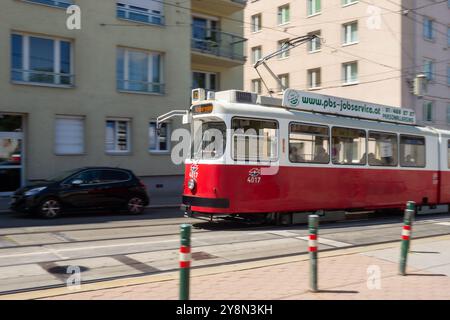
<point>209,139</point>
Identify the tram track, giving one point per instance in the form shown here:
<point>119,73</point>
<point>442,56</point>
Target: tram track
<point>330,228</point>
<point>143,274</point>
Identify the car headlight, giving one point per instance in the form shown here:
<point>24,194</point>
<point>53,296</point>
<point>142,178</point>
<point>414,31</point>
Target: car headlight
<point>34,191</point>
<point>191,184</point>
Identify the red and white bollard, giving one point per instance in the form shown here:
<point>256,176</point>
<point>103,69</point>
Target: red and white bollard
<point>185,261</point>
<point>313,248</point>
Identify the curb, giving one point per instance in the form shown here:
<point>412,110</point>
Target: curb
<point>159,206</point>
<point>174,275</point>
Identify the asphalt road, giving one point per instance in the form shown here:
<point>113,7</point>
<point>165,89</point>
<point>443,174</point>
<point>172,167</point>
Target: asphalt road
<point>36,253</point>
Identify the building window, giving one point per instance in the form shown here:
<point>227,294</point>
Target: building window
<point>54,3</point>
<point>350,33</point>
<point>448,113</point>
<point>314,78</point>
<point>428,28</point>
<point>257,86</point>
<point>256,54</point>
<point>283,14</point>
<point>69,135</point>
<point>143,11</point>
<point>348,2</point>
<point>139,71</point>
<point>428,112</point>
<point>283,44</point>
<point>161,142</point>
<point>428,68</point>
<point>448,36</point>
<point>284,79</point>
<point>41,60</point>
<point>314,7</point>
<point>314,45</point>
<point>256,22</point>
<point>205,80</point>
<point>350,72</point>
<point>118,136</point>
<point>349,146</point>
<point>448,75</point>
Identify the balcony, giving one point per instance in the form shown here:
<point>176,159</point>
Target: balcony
<point>140,15</point>
<point>210,46</point>
<point>53,3</point>
<point>225,7</point>
<point>44,78</point>
<point>140,86</point>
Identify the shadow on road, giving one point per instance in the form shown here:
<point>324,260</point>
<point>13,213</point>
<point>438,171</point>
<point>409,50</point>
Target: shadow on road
<point>18,220</point>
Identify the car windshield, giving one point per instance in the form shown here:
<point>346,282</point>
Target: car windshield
<point>62,175</point>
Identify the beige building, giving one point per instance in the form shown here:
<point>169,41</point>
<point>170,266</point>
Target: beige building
<point>90,97</point>
<point>370,50</point>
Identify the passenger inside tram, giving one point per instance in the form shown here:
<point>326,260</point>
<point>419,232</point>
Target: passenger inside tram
<point>295,155</point>
<point>322,155</point>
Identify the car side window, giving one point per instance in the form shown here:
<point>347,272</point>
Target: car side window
<point>88,177</point>
<point>108,176</point>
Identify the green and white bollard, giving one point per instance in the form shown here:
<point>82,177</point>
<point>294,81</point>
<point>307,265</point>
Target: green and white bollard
<point>185,261</point>
<point>406,235</point>
<point>313,248</point>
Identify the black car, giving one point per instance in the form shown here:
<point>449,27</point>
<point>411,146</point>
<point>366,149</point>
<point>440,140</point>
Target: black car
<point>81,189</point>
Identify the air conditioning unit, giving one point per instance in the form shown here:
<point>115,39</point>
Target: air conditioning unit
<point>236,96</point>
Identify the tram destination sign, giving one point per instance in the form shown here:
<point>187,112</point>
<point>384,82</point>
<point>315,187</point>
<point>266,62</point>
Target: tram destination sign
<point>308,101</point>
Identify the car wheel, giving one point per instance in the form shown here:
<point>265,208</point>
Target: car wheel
<point>135,205</point>
<point>50,208</point>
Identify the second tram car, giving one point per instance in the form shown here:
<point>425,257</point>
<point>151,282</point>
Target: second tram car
<point>274,158</point>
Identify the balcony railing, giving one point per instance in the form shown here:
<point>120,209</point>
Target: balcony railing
<point>218,43</point>
<point>42,77</point>
<point>143,16</point>
<point>140,86</point>
<point>54,3</point>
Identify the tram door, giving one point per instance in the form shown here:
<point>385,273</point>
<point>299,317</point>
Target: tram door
<point>11,153</point>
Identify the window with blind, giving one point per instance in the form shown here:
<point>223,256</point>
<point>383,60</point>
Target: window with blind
<point>69,135</point>
<point>118,136</point>
<point>161,142</point>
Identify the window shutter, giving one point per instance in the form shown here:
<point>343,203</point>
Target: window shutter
<point>69,135</point>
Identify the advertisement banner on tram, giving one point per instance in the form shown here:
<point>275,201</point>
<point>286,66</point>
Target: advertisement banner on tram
<point>308,101</point>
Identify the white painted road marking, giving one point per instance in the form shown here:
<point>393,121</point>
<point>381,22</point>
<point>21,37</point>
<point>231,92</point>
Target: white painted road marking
<point>443,223</point>
<point>329,242</point>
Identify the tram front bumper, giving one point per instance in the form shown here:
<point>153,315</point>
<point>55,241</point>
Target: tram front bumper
<point>189,201</point>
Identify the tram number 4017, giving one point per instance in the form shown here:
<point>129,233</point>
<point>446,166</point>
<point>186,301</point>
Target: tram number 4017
<point>254,180</point>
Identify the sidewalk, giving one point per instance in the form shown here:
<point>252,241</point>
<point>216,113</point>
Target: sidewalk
<point>343,274</point>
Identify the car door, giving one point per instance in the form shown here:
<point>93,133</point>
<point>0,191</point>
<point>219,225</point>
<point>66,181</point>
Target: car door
<point>87,194</point>
<point>115,187</point>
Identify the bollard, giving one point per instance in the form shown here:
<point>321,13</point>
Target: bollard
<point>406,235</point>
<point>185,261</point>
<point>313,231</point>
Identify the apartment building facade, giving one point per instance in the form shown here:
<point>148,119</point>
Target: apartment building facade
<point>90,97</point>
<point>370,51</point>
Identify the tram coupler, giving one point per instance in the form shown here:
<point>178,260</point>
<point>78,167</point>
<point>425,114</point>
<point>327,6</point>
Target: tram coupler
<point>187,211</point>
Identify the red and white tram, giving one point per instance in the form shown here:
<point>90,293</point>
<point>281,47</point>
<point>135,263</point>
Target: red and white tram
<point>313,153</point>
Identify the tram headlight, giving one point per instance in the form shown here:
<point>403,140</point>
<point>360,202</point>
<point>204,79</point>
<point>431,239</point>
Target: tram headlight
<point>192,184</point>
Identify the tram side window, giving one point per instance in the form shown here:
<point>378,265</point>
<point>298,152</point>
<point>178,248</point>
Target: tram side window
<point>254,140</point>
<point>412,151</point>
<point>349,146</point>
<point>382,149</point>
<point>309,144</point>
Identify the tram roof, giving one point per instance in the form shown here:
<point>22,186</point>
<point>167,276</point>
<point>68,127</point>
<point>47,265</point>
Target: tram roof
<point>246,104</point>
<point>278,112</point>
